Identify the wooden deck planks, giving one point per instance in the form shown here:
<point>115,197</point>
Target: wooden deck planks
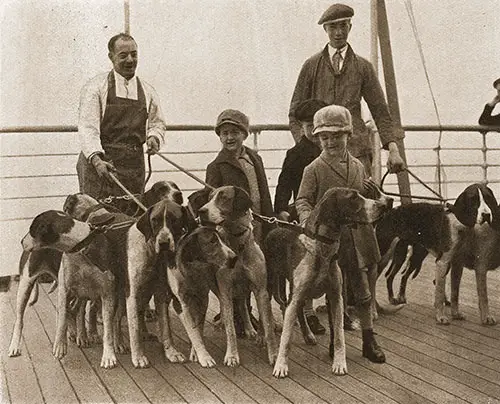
<point>426,363</point>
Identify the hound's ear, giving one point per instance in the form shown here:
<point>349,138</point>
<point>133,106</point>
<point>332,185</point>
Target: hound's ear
<point>188,219</point>
<point>490,200</point>
<point>464,206</point>
<point>241,201</point>
<point>329,209</point>
<point>144,224</point>
<point>69,204</point>
<point>197,199</point>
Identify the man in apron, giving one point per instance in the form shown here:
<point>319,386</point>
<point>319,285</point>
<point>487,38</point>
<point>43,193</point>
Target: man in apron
<point>118,114</point>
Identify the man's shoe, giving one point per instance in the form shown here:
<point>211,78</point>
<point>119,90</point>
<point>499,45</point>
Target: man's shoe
<point>315,325</point>
<point>371,349</point>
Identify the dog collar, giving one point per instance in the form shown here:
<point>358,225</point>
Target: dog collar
<point>98,229</point>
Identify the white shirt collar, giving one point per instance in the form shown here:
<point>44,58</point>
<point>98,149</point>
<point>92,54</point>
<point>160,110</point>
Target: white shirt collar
<point>125,88</point>
<point>332,50</point>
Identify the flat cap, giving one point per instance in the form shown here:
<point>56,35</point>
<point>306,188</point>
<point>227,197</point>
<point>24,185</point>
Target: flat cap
<point>496,83</point>
<point>332,118</point>
<point>306,109</point>
<point>336,12</point>
<point>235,117</point>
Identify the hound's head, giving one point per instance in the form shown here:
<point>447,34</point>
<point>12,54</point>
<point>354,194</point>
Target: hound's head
<point>163,190</point>
<point>79,206</point>
<point>56,230</point>
<point>344,206</point>
<point>225,203</point>
<point>475,205</point>
<point>163,224</point>
<point>205,245</point>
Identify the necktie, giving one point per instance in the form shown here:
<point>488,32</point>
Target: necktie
<point>336,59</point>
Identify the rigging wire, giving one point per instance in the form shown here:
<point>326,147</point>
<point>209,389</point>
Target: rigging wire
<point>441,175</point>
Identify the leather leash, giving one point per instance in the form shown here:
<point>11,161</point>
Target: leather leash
<point>132,196</point>
<point>438,197</point>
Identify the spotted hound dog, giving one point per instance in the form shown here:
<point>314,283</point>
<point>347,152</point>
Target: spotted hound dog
<point>452,235</point>
<point>309,262</point>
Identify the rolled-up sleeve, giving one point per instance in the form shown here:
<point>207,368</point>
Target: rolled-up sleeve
<point>156,121</point>
<point>308,190</point>
<point>89,119</point>
<point>375,99</point>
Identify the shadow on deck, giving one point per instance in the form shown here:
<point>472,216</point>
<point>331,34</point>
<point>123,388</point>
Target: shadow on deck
<point>426,363</point>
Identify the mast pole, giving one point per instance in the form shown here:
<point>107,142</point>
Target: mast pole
<point>392,92</point>
<point>377,158</point>
<point>126,9</point>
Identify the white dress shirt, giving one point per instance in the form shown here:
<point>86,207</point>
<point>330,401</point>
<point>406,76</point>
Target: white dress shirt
<point>332,51</point>
<point>93,105</point>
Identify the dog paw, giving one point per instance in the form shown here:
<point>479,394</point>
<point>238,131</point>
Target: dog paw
<point>60,349</point>
<point>232,360</point>
<point>251,333</point>
<point>397,300</point>
<point>339,368</point>
<point>72,337</point>
<point>206,361</point>
<point>14,351</point>
<point>310,339</point>
<point>140,361</point>
<point>174,356</point>
<point>108,361</point>
<point>280,369</point>
<point>82,341</point>
<point>442,320</point>
<point>489,320</point>
<point>458,316</point>
<point>272,357</point>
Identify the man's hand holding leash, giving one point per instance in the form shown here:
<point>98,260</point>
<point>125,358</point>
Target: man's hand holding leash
<point>102,167</point>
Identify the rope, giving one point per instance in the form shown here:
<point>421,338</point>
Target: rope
<point>413,23</point>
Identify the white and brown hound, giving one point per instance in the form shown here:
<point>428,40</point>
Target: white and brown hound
<point>78,276</point>
<point>229,209</point>
<point>309,262</point>
<point>204,262</point>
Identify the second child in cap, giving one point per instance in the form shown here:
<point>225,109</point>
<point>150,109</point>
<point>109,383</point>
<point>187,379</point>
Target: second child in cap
<point>359,252</point>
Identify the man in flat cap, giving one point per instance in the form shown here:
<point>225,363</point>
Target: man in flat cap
<point>486,118</point>
<point>338,76</point>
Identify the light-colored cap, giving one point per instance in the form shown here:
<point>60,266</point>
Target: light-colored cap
<point>332,118</point>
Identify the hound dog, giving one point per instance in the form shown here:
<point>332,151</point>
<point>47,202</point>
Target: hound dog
<point>309,262</point>
<point>229,209</point>
<point>153,239</point>
<point>57,230</point>
<point>445,232</point>
<point>47,261</point>
<point>203,262</point>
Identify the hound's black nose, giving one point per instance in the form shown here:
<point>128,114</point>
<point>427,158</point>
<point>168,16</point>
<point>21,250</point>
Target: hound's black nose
<point>486,217</point>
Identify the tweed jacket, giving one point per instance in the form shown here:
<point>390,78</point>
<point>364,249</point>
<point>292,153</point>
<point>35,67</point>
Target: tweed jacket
<point>226,170</point>
<point>297,158</point>
<point>359,247</point>
<point>357,80</point>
